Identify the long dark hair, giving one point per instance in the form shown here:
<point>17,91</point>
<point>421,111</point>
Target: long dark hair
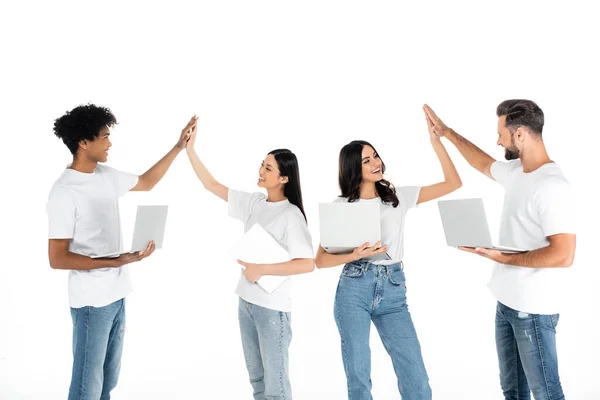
<point>350,174</point>
<point>288,166</point>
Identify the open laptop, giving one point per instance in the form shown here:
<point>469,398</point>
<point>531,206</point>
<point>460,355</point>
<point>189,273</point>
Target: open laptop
<point>150,222</point>
<point>345,226</point>
<point>465,225</point>
<point>259,247</point>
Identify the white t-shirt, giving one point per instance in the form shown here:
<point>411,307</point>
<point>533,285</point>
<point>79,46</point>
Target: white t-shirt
<point>392,221</point>
<point>285,222</point>
<point>84,208</point>
<point>536,205</point>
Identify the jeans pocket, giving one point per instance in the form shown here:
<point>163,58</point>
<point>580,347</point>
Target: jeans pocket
<point>352,271</point>
<point>554,319</point>
<point>396,275</point>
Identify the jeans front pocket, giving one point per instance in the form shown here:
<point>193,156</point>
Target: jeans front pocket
<point>352,271</point>
<point>396,275</point>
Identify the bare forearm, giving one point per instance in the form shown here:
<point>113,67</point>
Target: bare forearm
<point>449,170</point>
<point>546,257</point>
<point>158,170</point>
<point>476,157</point>
<point>208,181</point>
<point>77,262</point>
<point>292,267</point>
<point>201,171</point>
<point>326,260</point>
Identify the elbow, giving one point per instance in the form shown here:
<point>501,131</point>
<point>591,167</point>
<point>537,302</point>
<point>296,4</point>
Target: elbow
<point>54,263</point>
<point>567,261</point>
<point>319,263</point>
<point>310,265</point>
<point>457,182</point>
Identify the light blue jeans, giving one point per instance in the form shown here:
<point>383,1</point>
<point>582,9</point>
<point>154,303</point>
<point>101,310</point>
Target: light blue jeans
<point>97,347</point>
<point>526,345</point>
<point>368,292</point>
<point>266,336</point>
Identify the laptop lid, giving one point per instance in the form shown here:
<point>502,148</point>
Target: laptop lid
<point>150,223</point>
<point>345,226</point>
<point>465,223</point>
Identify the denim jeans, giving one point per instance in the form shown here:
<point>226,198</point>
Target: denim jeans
<point>368,292</point>
<point>526,345</point>
<point>97,346</point>
<point>266,336</point>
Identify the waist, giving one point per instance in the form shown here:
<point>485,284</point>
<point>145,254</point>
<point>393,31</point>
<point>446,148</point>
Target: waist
<point>367,265</point>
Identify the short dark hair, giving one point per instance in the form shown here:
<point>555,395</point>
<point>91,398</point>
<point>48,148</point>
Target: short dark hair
<point>521,112</point>
<point>82,123</point>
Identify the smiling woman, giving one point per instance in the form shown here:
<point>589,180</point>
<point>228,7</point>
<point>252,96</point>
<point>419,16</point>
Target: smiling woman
<point>375,290</point>
<point>265,324</point>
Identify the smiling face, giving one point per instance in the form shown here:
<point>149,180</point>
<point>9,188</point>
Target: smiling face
<point>506,139</point>
<point>97,150</point>
<point>268,174</point>
<point>372,167</point>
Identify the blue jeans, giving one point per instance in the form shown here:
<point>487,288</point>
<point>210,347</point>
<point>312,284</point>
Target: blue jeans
<point>97,346</point>
<point>266,336</point>
<point>368,292</point>
<point>526,345</point>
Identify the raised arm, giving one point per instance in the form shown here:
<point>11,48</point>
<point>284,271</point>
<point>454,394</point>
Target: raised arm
<point>208,181</point>
<point>150,178</point>
<point>476,157</point>
<point>451,180</point>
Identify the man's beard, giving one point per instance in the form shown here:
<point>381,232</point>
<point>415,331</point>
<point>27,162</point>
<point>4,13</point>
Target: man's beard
<point>512,153</point>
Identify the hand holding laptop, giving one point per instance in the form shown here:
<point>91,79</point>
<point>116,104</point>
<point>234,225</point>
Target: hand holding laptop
<point>256,248</point>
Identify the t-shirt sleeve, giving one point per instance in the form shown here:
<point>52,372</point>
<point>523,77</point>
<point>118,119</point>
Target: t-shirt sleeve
<point>297,239</point>
<point>61,212</point>
<point>500,170</point>
<point>124,181</point>
<point>408,196</point>
<point>239,204</point>
<point>556,208</point>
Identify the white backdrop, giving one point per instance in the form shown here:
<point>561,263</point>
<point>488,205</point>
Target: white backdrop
<point>309,76</point>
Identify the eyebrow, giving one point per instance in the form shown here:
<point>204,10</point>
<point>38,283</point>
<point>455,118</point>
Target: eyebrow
<point>374,154</point>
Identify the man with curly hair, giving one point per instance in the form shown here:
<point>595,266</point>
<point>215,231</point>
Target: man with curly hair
<point>83,215</point>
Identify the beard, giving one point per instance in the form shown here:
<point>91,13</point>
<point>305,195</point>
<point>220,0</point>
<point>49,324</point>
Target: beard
<point>512,153</point>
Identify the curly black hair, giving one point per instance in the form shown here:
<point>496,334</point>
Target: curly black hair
<point>82,123</point>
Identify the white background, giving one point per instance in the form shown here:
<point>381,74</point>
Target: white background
<point>309,76</point>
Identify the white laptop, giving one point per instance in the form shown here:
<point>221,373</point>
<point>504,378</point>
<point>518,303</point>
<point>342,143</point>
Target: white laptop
<point>465,225</point>
<point>346,226</point>
<point>150,223</point>
<point>259,247</point>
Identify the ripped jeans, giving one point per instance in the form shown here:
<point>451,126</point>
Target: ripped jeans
<point>526,345</point>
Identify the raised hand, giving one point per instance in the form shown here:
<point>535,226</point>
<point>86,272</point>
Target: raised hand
<point>186,133</point>
<point>435,125</point>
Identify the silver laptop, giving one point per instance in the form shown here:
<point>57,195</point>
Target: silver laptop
<point>150,223</point>
<point>345,226</point>
<point>465,225</point>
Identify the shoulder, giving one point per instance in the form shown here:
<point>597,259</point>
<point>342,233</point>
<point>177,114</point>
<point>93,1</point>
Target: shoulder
<point>294,216</point>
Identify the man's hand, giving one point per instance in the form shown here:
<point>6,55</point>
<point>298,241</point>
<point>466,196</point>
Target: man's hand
<point>129,258</point>
<point>186,133</point>
<point>436,126</point>
<point>495,255</point>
